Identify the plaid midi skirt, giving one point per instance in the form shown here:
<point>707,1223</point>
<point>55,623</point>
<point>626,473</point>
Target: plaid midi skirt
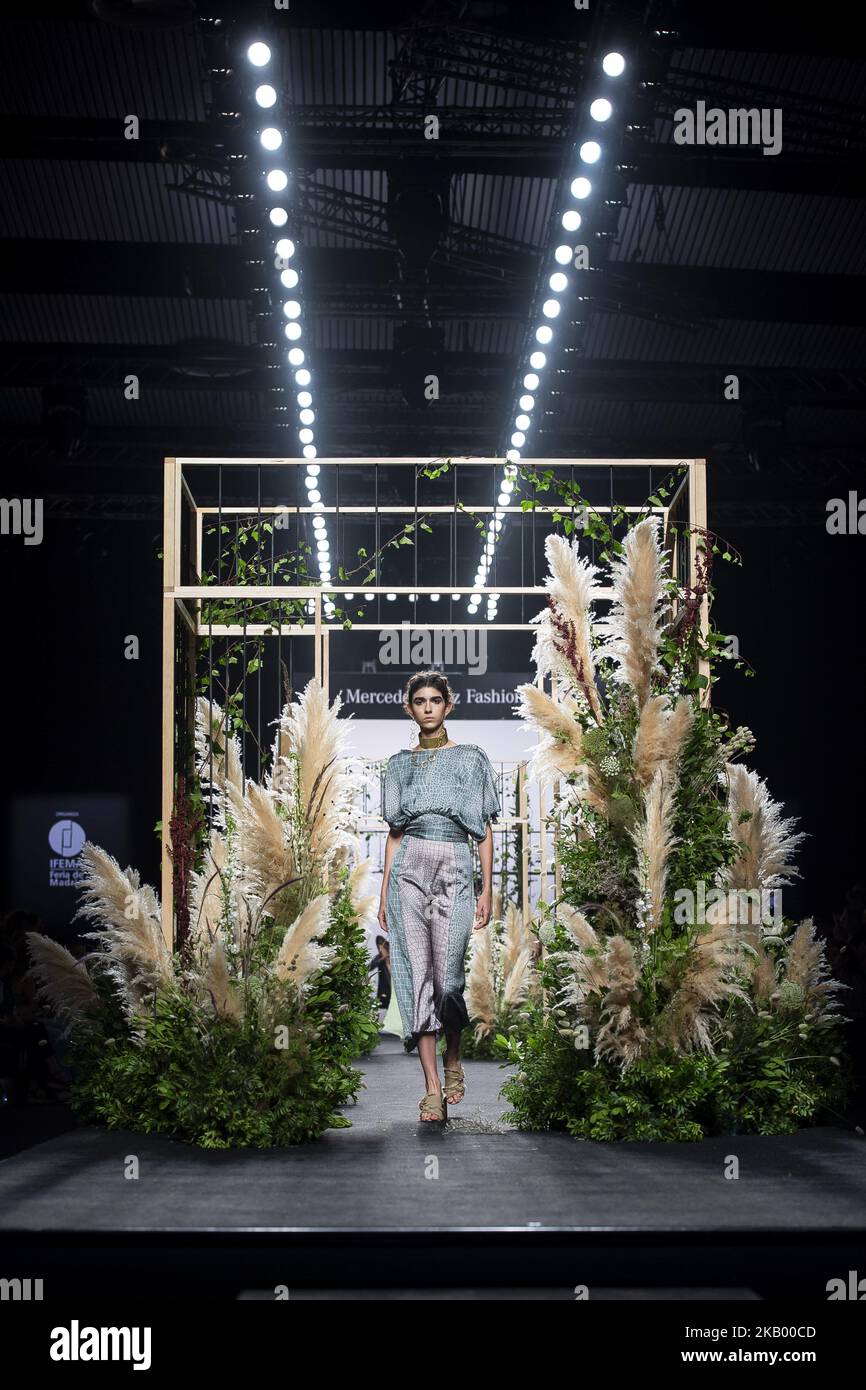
<point>429,912</point>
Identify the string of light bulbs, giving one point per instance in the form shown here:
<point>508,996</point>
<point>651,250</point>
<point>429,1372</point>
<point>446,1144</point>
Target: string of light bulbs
<point>276,181</point>
<point>589,154</point>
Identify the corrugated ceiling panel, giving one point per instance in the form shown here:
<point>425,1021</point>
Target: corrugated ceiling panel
<point>480,335</point>
<point>363,183</point>
<point>104,201</point>
<point>744,229</point>
<point>156,405</point>
<point>647,418</point>
<point>69,68</point>
<point>812,92</point>
<point>329,66</point>
<point>371,335</point>
<point>75,318</point>
<point>517,208</point>
<point>743,342</point>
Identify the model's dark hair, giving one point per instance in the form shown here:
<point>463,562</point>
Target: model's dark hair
<point>421,678</point>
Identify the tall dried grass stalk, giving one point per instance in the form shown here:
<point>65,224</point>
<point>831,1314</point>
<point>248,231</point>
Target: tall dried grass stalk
<point>362,895</point>
<point>480,985</point>
<point>130,930</point>
<point>635,621</point>
<point>517,937</point>
<point>309,771</point>
<point>621,1036</point>
<point>589,965</point>
<point>207,897</point>
<point>661,735</point>
<point>218,762</point>
<point>766,838</point>
<point>225,996</point>
<point>686,1021</point>
<point>564,644</point>
<point>300,954</point>
<point>61,981</point>
<point>654,840</point>
<point>805,965</point>
<point>559,751</point>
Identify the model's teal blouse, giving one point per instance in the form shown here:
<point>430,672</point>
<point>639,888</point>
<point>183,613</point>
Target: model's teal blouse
<point>458,782</point>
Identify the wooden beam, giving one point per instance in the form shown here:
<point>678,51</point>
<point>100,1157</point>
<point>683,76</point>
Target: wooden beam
<point>170,575</point>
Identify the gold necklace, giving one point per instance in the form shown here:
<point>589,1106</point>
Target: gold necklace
<point>437,741</point>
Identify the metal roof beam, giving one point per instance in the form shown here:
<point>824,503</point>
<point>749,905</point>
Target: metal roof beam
<point>680,166</point>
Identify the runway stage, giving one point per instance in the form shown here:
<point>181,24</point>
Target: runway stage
<point>396,1204</point>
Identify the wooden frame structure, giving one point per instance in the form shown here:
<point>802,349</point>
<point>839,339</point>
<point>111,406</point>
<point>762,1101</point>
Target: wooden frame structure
<point>184,517</point>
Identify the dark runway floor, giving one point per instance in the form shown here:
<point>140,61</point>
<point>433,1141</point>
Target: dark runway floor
<point>389,1171</point>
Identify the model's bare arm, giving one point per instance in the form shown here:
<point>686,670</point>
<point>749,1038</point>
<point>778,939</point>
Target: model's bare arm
<point>393,840</point>
<point>483,901</point>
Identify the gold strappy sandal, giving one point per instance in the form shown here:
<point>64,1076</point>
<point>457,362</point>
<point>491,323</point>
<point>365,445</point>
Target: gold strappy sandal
<point>455,1078</point>
<point>435,1105</point>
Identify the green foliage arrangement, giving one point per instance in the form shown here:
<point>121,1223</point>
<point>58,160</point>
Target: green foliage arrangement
<point>244,1035</point>
<point>206,1079</point>
<point>678,1000</point>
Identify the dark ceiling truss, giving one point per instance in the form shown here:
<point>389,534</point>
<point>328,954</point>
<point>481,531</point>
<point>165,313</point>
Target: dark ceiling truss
<point>348,376</point>
<point>435,52</point>
<point>727,168</point>
<point>325,122</point>
<point>364,221</point>
<point>83,506</point>
<point>531,142</point>
<point>519,141</point>
<point>474,274</point>
<point>147,445</point>
<point>831,127</point>
<point>421,86</point>
<point>347,278</point>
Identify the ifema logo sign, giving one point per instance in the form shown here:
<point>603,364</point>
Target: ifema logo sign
<point>66,839</point>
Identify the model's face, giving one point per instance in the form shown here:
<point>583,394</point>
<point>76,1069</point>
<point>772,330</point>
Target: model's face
<point>428,708</point>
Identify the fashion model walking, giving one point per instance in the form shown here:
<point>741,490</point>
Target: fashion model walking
<point>435,797</point>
